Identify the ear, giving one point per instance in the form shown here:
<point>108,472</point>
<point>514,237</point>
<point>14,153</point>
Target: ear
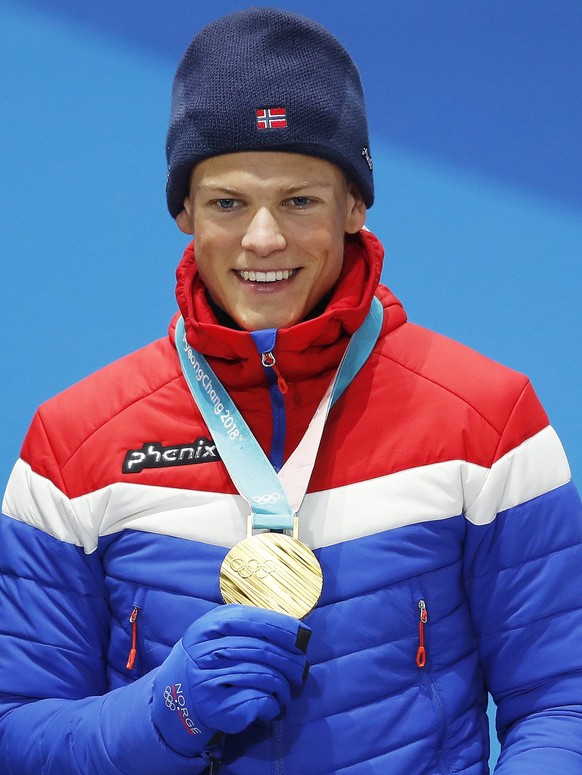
<point>184,218</point>
<point>356,215</point>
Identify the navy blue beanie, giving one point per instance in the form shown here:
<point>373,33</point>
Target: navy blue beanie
<point>267,80</point>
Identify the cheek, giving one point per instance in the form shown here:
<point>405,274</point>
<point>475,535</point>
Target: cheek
<point>209,245</point>
<point>206,261</point>
<point>333,261</point>
<point>327,273</point>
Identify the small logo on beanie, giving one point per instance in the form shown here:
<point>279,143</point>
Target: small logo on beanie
<point>367,157</point>
<point>271,118</point>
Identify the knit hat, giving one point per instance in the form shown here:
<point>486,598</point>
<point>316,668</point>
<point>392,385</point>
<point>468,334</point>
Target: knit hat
<point>266,80</point>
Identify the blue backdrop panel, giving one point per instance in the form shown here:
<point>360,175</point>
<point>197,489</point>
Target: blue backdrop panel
<point>476,121</point>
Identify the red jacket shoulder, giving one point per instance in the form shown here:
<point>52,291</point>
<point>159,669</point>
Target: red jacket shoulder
<point>488,388</point>
<point>65,422</point>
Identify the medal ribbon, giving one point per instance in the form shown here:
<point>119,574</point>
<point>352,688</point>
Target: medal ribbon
<point>274,499</point>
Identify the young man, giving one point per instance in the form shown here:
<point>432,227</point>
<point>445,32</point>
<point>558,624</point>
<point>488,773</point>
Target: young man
<point>361,630</point>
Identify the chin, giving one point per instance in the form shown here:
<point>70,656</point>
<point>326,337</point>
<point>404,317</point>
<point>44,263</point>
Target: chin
<point>254,323</point>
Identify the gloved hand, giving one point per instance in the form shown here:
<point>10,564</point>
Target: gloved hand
<point>235,665</point>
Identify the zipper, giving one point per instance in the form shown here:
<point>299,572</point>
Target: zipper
<point>278,731</point>
<point>277,390</point>
<point>264,341</point>
<point>214,752</point>
<point>133,650</point>
<point>421,651</point>
<point>268,360</point>
<point>425,678</point>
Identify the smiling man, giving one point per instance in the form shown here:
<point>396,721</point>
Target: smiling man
<point>270,232</point>
<point>299,534</point>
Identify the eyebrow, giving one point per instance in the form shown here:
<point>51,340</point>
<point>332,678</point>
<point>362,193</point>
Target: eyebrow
<point>308,184</point>
<point>289,191</point>
<point>214,187</point>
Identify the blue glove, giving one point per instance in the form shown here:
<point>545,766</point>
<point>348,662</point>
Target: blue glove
<point>235,665</point>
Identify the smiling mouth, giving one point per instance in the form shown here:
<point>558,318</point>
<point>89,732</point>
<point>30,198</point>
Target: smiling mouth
<point>267,277</point>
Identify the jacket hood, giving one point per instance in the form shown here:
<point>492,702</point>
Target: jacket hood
<point>305,348</point>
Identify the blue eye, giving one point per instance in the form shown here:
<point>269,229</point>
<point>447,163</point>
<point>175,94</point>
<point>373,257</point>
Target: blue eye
<point>301,201</point>
<point>226,204</point>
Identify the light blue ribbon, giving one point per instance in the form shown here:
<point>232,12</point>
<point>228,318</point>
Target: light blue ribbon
<point>247,464</point>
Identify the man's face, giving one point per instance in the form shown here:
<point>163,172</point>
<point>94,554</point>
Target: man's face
<point>269,230</point>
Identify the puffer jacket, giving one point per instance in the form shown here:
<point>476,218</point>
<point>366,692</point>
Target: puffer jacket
<point>440,508</point>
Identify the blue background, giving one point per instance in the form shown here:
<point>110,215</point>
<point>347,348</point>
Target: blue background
<point>476,123</point>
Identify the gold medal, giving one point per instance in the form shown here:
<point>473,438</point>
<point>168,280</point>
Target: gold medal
<point>273,571</point>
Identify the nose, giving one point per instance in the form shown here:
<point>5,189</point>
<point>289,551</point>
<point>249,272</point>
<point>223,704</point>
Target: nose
<point>263,235</point>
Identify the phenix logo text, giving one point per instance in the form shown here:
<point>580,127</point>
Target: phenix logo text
<point>155,455</point>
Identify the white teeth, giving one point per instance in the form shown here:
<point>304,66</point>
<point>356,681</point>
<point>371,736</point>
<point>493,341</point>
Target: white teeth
<point>266,277</point>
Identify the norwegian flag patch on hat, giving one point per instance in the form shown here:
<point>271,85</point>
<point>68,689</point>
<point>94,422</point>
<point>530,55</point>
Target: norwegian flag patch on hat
<point>271,118</point>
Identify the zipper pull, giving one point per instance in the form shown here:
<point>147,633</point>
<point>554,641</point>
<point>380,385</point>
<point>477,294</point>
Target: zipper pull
<point>421,651</point>
<point>133,650</point>
<point>268,360</point>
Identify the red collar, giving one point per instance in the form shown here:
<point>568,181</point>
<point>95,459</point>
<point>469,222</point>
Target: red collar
<point>307,348</point>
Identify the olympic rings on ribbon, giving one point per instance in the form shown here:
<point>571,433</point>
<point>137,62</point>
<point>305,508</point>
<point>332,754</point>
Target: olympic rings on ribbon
<point>272,497</point>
